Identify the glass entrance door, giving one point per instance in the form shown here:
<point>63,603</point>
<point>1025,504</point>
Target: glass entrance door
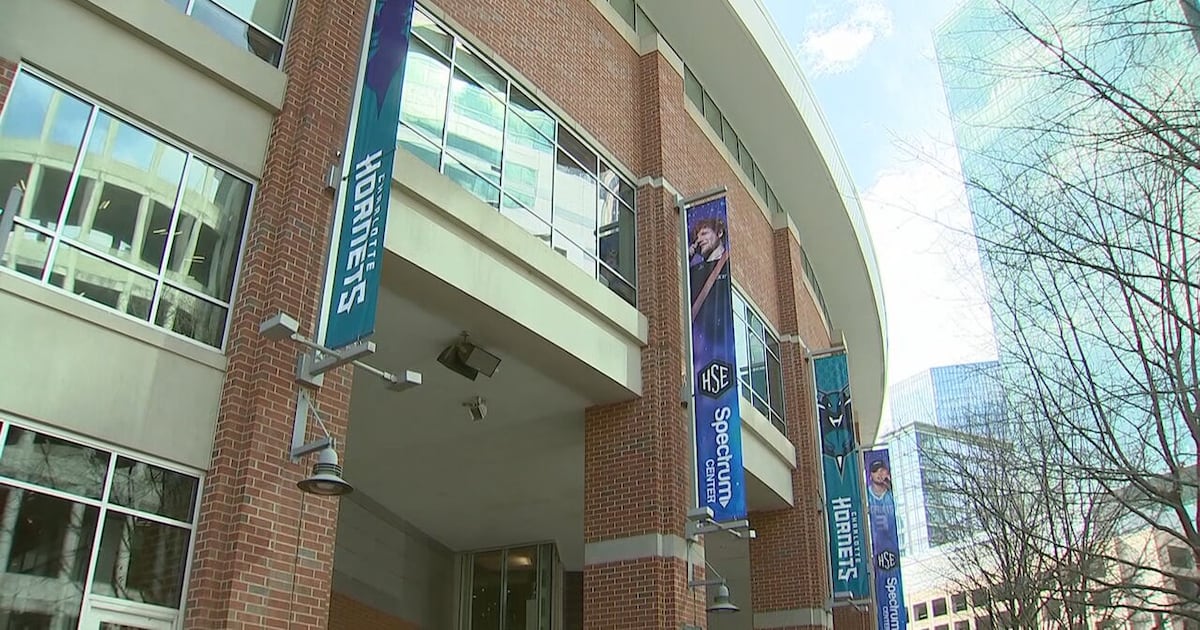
<point>510,589</point>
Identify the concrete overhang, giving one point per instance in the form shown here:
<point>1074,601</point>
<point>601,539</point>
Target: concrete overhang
<point>736,51</point>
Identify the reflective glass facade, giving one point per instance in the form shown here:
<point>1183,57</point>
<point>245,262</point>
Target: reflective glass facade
<point>466,118</point>
<point>939,413</point>
<point>85,528</point>
<point>116,215</point>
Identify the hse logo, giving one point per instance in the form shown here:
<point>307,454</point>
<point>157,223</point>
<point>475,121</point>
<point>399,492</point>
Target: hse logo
<point>886,560</point>
<point>715,379</point>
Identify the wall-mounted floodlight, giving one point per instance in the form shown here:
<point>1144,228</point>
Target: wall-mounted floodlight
<point>326,478</point>
<point>469,360</point>
<point>318,359</point>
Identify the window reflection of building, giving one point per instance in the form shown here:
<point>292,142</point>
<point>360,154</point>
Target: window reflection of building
<point>56,497</point>
<point>118,216</point>
<point>465,118</point>
<point>256,26</point>
<point>759,368</point>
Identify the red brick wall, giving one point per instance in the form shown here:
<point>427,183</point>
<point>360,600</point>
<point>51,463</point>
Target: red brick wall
<point>347,613</point>
<point>264,551</point>
<point>8,71</point>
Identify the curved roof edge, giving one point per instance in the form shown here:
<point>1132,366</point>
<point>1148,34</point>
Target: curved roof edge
<point>735,49</point>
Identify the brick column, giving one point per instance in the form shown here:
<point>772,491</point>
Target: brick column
<point>8,72</point>
<point>264,550</point>
<point>789,567</point>
<point>637,463</point>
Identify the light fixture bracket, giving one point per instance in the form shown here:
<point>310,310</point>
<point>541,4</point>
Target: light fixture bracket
<point>300,448</point>
<point>700,521</point>
<point>314,362</point>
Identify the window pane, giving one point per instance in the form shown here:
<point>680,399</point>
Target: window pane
<point>529,167</point>
<point>617,236</point>
<point>691,87</point>
<point>526,219</point>
<point>191,316</point>
<point>476,127</point>
<point>152,489</point>
<point>426,82</point>
<point>775,384</point>
<point>485,591</point>
<point>469,179</point>
<point>742,343</point>
<point>532,113</point>
<point>102,281</point>
<point>50,549</point>
<point>712,114</point>
<point>242,35</point>
<point>54,463</point>
<point>417,145</point>
<point>40,135</point>
<point>581,257</point>
<point>482,73</point>
<point>730,138</point>
<point>425,28</point>
<point>27,251</point>
<point>575,197</point>
<point>141,560</point>
<point>618,285</point>
<point>268,15</point>
<point>126,174</point>
<point>758,368</point>
<point>208,234</point>
<point>577,149</point>
<point>627,9</point>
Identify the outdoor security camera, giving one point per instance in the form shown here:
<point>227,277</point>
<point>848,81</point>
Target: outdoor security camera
<point>477,407</point>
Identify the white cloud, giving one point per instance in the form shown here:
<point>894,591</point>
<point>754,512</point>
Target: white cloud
<point>839,46</point>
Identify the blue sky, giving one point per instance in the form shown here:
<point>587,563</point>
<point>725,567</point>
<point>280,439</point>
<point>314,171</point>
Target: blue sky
<point>872,66</point>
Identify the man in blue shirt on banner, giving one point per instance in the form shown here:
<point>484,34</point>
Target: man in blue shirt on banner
<point>879,495</point>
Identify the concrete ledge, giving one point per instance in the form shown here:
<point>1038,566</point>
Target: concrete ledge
<point>639,547</point>
<point>808,617</point>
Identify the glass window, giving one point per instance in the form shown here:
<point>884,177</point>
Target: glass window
<point>128,177</point>
<point>730,138</point>
<point>47,123</point>
<point>712,114</point>
<point>487,134</point>
<point>475,128</point>
<point>426,84</point>
<point>138,213</point>
<point>269,15</point>
<point>627,9</point>
<point>243,34</point>
<point>691,87</point>
<point>575,199</point>
<point>921,611</point>
<point>428,30</point>
<point>959,602</point>
<point>141,560</point>
<point>939,607</point>
<point>46,540</point>
<point>48,551</point>
<point>54,463</point>
<point>759,368</point>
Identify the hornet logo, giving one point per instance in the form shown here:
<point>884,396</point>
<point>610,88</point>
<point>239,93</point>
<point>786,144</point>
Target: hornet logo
<point>837,435</point>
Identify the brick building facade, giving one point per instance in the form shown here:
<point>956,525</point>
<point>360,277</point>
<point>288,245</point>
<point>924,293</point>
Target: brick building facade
<point>583,123</point>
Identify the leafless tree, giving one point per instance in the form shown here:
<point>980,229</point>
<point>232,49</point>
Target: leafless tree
<point>1079,135</point>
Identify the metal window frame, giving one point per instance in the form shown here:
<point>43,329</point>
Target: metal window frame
<point>88,599</point>
<point>56,235</point>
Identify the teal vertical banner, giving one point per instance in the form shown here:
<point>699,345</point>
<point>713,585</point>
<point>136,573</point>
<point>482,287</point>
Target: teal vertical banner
<point>360,231</point>
<point>843,479</point>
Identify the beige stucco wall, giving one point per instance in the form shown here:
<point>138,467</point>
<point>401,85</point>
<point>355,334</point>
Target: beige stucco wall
<point>68,364</point>
<point>206,92</point>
